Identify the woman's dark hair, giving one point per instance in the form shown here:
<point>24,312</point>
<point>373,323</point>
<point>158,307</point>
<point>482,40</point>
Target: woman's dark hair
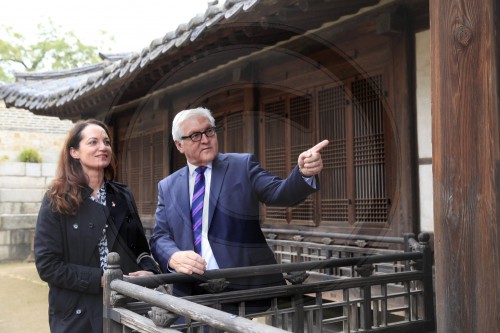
<point>65,190</point>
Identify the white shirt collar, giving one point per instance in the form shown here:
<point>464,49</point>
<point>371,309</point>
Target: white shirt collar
<point>192,168</point>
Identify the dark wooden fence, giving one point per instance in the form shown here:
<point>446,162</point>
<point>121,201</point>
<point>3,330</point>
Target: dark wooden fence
<point>373,299</point>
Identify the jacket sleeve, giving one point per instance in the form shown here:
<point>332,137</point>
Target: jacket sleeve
<point>141,250</point>
<point>275,191</point>
<point>52,255</point>
<point>162,240</point>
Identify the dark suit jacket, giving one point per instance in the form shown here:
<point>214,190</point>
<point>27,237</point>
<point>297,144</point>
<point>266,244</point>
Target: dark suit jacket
<point>67,257</point>
<point>238,185</point>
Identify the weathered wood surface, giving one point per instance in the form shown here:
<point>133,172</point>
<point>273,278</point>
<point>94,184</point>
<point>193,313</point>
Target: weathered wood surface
<point>213,317</point>
<point>419,319</point>
<point>112,272</point>
<point>271,269</point>
<point>466,165</point>
<point>140,323</point>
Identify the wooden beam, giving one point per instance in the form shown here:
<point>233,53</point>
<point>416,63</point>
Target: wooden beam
<point>466,164</point>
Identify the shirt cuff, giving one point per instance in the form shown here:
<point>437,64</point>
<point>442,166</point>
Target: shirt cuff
<point>311,181</point>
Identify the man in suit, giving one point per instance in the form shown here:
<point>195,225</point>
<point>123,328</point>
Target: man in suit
<point>235,184</point>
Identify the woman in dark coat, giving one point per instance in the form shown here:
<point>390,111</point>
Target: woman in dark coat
<point>84,216</point>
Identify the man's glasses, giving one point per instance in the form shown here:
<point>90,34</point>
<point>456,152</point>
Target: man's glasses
<point>196,136</point>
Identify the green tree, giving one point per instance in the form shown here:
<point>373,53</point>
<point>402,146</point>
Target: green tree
<point>53,49</point>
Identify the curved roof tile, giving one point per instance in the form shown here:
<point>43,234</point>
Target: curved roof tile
<point>44,90</point>
<point>234,10</point>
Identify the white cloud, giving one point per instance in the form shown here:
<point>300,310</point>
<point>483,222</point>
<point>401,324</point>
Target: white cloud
<point>134,24</point>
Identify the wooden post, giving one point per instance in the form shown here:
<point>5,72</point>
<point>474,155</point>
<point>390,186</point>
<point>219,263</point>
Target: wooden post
<point>298,313</point>
<point>365,308</point>
<point>112,272</point>
<point>428,297</point>
<point>466,163</point>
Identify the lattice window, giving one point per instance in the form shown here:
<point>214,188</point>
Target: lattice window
<point>133,167</point>
<point>332,125</point>
<point>353,180</point>
<point>301,139</point>
<point>369,151</point>
<point>234,133</point>
<point>146,174</point>
<point>221,133</point>
<point>274,150</point>
<point>143,167</point>
<point>230,132</point>
<point>158,151</point>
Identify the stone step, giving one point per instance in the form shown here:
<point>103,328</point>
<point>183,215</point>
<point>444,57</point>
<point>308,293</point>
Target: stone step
<point>11,182</point>
<point>17,221</point>
<point>21,195</point>
<point>27,169</point>
<point>16,233</point>
<point>19,207</point>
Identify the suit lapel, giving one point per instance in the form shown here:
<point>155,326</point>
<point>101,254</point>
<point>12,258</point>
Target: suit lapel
<point>219,168</point>
<point>179,194</point>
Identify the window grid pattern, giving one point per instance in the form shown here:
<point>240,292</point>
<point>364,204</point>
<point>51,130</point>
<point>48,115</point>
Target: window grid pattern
<point>234,133</point>
<point>143,167</point>
<point>369,151</point>
<point>146,173</point>
<point>274,151</point>
<point>332,125</point>
<point>221,135</point>
<point>133,167</point>
<point>301,139</point>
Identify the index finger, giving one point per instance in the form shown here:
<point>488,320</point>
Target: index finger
<point>319,146</point>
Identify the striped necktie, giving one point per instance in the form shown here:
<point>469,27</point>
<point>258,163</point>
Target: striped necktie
<point>197,207</point>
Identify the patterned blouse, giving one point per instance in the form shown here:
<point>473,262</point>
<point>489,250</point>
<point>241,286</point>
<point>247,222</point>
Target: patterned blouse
<point>103,243</point>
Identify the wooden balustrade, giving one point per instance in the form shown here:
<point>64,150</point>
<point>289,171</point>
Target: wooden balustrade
<point>363,302</point>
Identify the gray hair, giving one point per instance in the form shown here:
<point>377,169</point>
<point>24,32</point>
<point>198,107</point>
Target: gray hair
<point>186,114</point>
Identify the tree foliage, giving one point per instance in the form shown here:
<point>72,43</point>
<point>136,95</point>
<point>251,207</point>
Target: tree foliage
<point>52,49</point>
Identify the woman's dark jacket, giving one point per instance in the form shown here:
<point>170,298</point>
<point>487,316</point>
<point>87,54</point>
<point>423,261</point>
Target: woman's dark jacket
<point>67,256</point>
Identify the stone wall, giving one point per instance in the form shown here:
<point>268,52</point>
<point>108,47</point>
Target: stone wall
<point>21,129</point>
<point>22,185</point>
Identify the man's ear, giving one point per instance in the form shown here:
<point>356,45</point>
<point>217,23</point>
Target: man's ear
<point>179,147</point>
<point>74,153</point>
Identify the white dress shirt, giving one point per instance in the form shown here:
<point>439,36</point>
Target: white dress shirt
<point>206,250</point>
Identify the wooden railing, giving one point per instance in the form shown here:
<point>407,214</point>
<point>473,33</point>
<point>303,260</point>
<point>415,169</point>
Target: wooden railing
<point>291,246</point>
<point>365,302</point>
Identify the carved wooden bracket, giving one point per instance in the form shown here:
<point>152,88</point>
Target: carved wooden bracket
<point>298,238</point>
<point>117,299</point>
<point>327,240</point>
<point>162,317</point>
<point>215,285</point>
<point>296,278</point>
<point>365,270</point>
<point>361,243</point>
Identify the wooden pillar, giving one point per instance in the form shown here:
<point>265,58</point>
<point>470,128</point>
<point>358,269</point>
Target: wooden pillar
<point>113,271</point>
<point>466,164</point>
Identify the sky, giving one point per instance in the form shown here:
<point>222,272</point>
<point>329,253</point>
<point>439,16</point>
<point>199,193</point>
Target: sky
<point>134,24</point>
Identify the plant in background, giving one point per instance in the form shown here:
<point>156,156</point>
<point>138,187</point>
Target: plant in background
<point>30,155</point>
<point>53,49</point>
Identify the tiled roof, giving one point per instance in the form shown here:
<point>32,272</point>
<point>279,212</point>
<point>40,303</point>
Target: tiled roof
<point>48,92</point>
<point>44,90</point>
